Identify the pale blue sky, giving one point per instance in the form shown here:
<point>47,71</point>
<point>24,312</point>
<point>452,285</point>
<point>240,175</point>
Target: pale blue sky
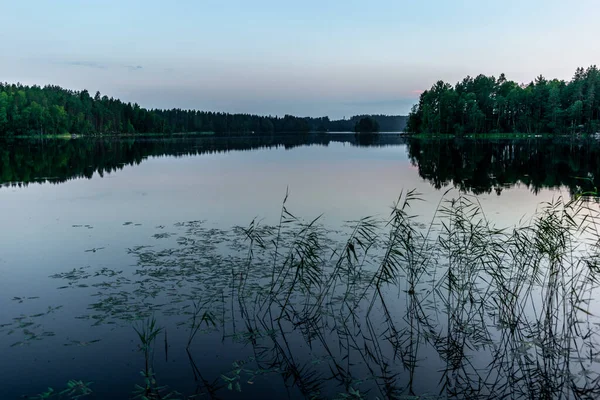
<point>336,58</point>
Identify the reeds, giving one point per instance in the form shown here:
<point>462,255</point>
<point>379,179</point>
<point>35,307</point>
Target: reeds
<point>496,312</point>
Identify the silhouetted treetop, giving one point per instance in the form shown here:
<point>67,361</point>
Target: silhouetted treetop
<point>366,125</point>
<point>488,105</point>
<point>34,110</point>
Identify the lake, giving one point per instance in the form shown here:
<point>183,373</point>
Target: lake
<point>327,266</point>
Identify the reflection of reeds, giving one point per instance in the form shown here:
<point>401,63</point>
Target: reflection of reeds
<point>497,312</point>
<point>519,296</point>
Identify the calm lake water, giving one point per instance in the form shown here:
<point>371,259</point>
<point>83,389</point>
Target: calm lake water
<point>101,236</point>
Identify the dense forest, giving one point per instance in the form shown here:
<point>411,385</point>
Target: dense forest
<point>34,110</point>
<point>489,105</point>
<point>367,125</point>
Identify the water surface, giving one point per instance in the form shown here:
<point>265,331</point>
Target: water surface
<point>94,230</point>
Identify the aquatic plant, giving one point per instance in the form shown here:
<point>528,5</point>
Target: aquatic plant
<point>74,390</point>
<point>354,313</point>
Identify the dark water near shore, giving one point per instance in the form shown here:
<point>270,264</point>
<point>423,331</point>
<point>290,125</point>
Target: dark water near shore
<point>99,236</point>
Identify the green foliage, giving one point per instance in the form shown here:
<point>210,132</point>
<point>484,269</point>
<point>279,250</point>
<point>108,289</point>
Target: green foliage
<point>366,125</point>
<point>29,110</point>
<point>147,333</point>
<point>489,105</point>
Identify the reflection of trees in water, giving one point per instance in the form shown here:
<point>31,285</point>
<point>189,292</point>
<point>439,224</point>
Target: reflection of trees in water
<point>477,166</point>
<point>454,309</point>
<point>480,166</point>
<point>26,161</point>
<point>367,139</point>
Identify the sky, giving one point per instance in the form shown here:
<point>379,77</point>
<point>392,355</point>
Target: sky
<point>273,57</point>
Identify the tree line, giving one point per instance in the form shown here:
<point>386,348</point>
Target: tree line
<point>35,110</point>
<point>488,105</point>
<point>385,123</point>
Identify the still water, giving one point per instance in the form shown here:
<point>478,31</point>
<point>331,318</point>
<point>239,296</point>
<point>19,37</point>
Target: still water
<point>102,236</point>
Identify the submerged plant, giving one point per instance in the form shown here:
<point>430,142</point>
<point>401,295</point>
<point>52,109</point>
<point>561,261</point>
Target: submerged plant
<point>496,312</point>
<point>75,390</point>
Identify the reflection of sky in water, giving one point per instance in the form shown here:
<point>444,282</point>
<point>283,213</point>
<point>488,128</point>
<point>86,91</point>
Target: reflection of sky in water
<point>342,181</point>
